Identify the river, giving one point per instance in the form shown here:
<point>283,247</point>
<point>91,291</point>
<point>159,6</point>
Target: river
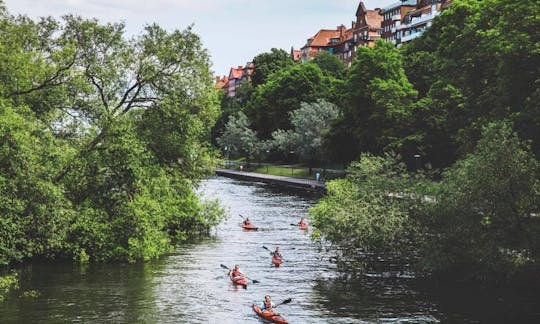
<point>190,286</point>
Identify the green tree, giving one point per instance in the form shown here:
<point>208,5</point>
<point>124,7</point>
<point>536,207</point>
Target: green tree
<point>287,88</point>
<point>483,224</point>
<point>369,218</point>
<point>330,64</point>
<point>310,124</point>
<point>122,128</point>
<point>378,106</point>
<point>267,63</point>
<point>479,61</point>
<point>35,212</point>
<point>238,139</point>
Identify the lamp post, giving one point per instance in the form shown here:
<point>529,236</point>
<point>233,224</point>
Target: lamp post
<point>267,153</point>
<point>226,148</point>
<point>417,159</point>
<point>292,168</point>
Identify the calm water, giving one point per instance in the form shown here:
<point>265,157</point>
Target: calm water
<point>189,286</point>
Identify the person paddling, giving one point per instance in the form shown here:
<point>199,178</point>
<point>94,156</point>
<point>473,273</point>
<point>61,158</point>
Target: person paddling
<point>302,222</point>
<point>236,273</point>
<point>267,305</point>
<point>277,254</point>
<point>247,221</point>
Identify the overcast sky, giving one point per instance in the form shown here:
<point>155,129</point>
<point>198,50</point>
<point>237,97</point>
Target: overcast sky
<point>233,31</point>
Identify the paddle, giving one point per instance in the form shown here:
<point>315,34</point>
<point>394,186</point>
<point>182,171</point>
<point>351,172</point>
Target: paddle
<point>225,267</point>
<point>286,301</point>
<point>271,253</point>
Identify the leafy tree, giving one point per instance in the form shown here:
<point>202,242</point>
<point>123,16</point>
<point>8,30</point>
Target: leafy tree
<point>122,127</point>
<point>239,139</point>
<point>378,105</point>
<point>310,124</point>
<point>484,53</point>
<point>35,212</point>
<point>287,88</point>
<point>482,224</point>
<point>267,63</point>
<point>369,218</point>
<point>330,64</point>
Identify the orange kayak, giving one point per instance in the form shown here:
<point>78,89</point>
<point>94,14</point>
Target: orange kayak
<point>269,315</point>
<point>276,261</point>
<point>241,281</point>
<point>249,227</point>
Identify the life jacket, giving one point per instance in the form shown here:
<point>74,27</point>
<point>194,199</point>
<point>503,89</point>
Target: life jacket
<point>236,273</point>
<point>267,305</point>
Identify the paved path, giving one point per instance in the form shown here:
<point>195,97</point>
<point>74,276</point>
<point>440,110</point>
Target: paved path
<point>311,185</point>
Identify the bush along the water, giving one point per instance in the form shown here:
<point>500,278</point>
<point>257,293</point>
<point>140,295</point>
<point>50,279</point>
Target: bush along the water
<point>479,223</point>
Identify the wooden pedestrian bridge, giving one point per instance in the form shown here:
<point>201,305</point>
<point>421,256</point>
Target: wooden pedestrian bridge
<point>296,183</point>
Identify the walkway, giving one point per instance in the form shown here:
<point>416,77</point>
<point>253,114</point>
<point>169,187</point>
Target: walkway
<point>311,185</point>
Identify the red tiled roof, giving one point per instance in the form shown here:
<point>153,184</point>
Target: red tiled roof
<point>322,37</point>
<point>236,73</point>
<point>221,82</point>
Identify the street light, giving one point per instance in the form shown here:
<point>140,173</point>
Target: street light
<point>226,148</point>
<point>267,153</point>
<point>292,167</point>
<point>417,158</point>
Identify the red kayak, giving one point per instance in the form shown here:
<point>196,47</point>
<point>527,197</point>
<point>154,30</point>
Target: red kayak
<point>276,261</point>
<point>269,315</point>
<point>303,226</point>
<point>249,227</point>
<point>241,281</point>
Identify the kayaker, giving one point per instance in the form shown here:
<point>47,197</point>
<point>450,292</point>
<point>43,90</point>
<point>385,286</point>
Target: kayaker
<point>247,221</point>
<point>236,272</point>
<point>277,254</point>
<point>267,304</point>
<point>302,222</point>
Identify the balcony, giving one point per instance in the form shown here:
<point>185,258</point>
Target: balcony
<point>416,21</point>
<point>411,36</point>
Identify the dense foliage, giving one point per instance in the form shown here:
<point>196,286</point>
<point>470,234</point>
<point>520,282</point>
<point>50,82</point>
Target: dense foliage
<point>102,139</point>
<point>462,101</point>
<point>479,223</point>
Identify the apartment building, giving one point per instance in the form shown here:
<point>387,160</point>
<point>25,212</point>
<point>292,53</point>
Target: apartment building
<point>331,40</point>
<point>238,75</point>
<point>392,17</point>
<point>367,26</point>
<point>415,22</point>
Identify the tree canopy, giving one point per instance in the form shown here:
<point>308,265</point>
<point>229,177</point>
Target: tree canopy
<point>104,139</point>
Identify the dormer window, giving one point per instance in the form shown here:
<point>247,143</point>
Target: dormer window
<point>334,40</point>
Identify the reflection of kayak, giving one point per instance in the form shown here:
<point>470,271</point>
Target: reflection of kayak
<point>303,226</point>
<point>241,281</point>
<point>276,261</point>
<point>249,227</point>
<point>269,315</point>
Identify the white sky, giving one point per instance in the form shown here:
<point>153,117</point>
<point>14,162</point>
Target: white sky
<point>233,31</point>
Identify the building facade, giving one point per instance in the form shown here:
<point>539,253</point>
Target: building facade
<point>392,17</point>
<point>417,21</point>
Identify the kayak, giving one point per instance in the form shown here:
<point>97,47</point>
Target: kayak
<point>241,281</point>
<point>276,261</point>
<point>303,226</point>
<point>249,227</point>
<point>269,315</point>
